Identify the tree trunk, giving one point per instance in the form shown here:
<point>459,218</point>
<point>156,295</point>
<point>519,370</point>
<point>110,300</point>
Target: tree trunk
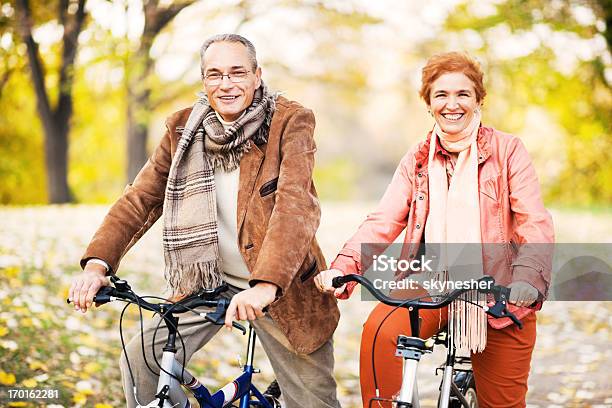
<point>138,71</point>
<point>56,164</point>
<point>55,120</point>
<point>138,109</point>
<point>137,133</point>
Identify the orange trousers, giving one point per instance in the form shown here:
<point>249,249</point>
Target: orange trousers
<point>500,371</point>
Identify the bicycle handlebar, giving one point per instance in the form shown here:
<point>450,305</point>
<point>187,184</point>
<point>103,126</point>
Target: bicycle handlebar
<point>500,293</point>
<point>206,297</point>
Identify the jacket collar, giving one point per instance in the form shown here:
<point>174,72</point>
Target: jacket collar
<point>482,141</point>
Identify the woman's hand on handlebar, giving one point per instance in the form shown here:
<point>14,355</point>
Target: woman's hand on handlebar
<point>323,281</point>
<point>522,294</point>
<point>85,286</point>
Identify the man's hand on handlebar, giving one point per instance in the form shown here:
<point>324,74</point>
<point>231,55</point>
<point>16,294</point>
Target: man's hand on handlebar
<point>323,281</point>
<point>85,286</point>
<point>250,303</point>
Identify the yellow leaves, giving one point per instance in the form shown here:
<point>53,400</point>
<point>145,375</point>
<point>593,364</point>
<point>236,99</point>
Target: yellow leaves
<point>37,279</point>
<point>30,383</point>
<point>21,310</point>
<point>79,398</point>
<point>99,405</point>
<point>15,283</point>
<point>17,404</point>
<point>88,340</point>
<point>65,292</point>
<point>92,368</point>
<point>11,271</point>
<point>84,387</point>
<point>46,316</point>
<point>70,372</point>
<point>7,378</point>
<point>3,331</point>
<point>27,322</point>
<point>38,365</point>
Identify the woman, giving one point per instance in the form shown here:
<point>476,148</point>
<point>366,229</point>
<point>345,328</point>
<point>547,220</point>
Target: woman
<point>465,183</point>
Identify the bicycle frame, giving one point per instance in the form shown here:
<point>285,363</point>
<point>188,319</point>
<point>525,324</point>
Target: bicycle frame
<point>412,348</point>
<point>169,389</point>
<point>169,392</point>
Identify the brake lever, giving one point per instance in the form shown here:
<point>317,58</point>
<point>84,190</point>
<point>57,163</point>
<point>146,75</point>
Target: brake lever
<point>499,310</point>
<point>218,316</point>
<point>239,327</point>
<point>515,319</point>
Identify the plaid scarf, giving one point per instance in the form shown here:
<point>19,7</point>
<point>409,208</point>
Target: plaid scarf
<point>190,239</point>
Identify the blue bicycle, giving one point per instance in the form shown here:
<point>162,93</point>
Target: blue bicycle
<point>172,373</point>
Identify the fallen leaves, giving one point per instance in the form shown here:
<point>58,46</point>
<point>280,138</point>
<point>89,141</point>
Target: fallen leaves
<point>7,378</point>
<point>44,343</point>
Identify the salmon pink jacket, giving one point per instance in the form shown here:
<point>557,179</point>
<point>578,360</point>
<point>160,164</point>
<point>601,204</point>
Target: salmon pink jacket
<point>511,212</point>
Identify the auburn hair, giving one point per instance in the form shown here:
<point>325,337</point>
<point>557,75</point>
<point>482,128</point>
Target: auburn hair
<point>447,62</point>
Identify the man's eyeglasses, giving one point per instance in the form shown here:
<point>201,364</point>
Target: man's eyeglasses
<point>215,78</point>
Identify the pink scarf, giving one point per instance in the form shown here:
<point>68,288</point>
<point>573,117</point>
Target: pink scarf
<point>454,217</point>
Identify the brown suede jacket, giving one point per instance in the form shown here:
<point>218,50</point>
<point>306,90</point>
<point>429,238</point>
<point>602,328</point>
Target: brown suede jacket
<point>278,215</point>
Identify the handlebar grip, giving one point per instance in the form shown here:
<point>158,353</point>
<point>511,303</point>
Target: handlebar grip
<point>338,281</point>
<point>104,295</point>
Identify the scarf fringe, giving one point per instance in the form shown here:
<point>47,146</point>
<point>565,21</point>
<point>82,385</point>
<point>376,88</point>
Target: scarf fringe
<point>467,323</point>
<point>230,161</point>
<point>188,279</point>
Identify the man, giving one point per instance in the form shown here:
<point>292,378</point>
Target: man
<point>233,176</point>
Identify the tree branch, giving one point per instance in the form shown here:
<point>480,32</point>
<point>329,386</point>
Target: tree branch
<point>5,78</point>
<point>36,66</point>
<point>162,16</point>
<point>72,29</point>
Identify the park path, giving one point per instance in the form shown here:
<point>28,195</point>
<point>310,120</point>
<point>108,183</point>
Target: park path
<point>572,358</point>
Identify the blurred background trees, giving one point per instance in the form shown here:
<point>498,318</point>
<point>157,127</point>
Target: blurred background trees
<point>356,64</point>
<point>562,67</point>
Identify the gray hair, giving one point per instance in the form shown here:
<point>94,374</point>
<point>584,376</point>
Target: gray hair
<point>232,38</point>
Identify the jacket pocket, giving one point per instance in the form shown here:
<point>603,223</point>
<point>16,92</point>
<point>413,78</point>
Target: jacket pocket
<point>309,272</point>
<point>490,188</point>
<point>268,187</point>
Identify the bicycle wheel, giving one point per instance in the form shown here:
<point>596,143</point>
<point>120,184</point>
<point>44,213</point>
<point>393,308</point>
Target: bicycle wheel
<point>272,394</point>
<point>464,380</point>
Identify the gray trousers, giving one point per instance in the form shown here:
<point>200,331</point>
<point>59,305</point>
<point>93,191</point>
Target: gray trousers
<point>305,380</point>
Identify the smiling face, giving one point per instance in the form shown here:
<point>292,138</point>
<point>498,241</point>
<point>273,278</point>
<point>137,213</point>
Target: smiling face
<point>230,99</point>
<point>453,102</point>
